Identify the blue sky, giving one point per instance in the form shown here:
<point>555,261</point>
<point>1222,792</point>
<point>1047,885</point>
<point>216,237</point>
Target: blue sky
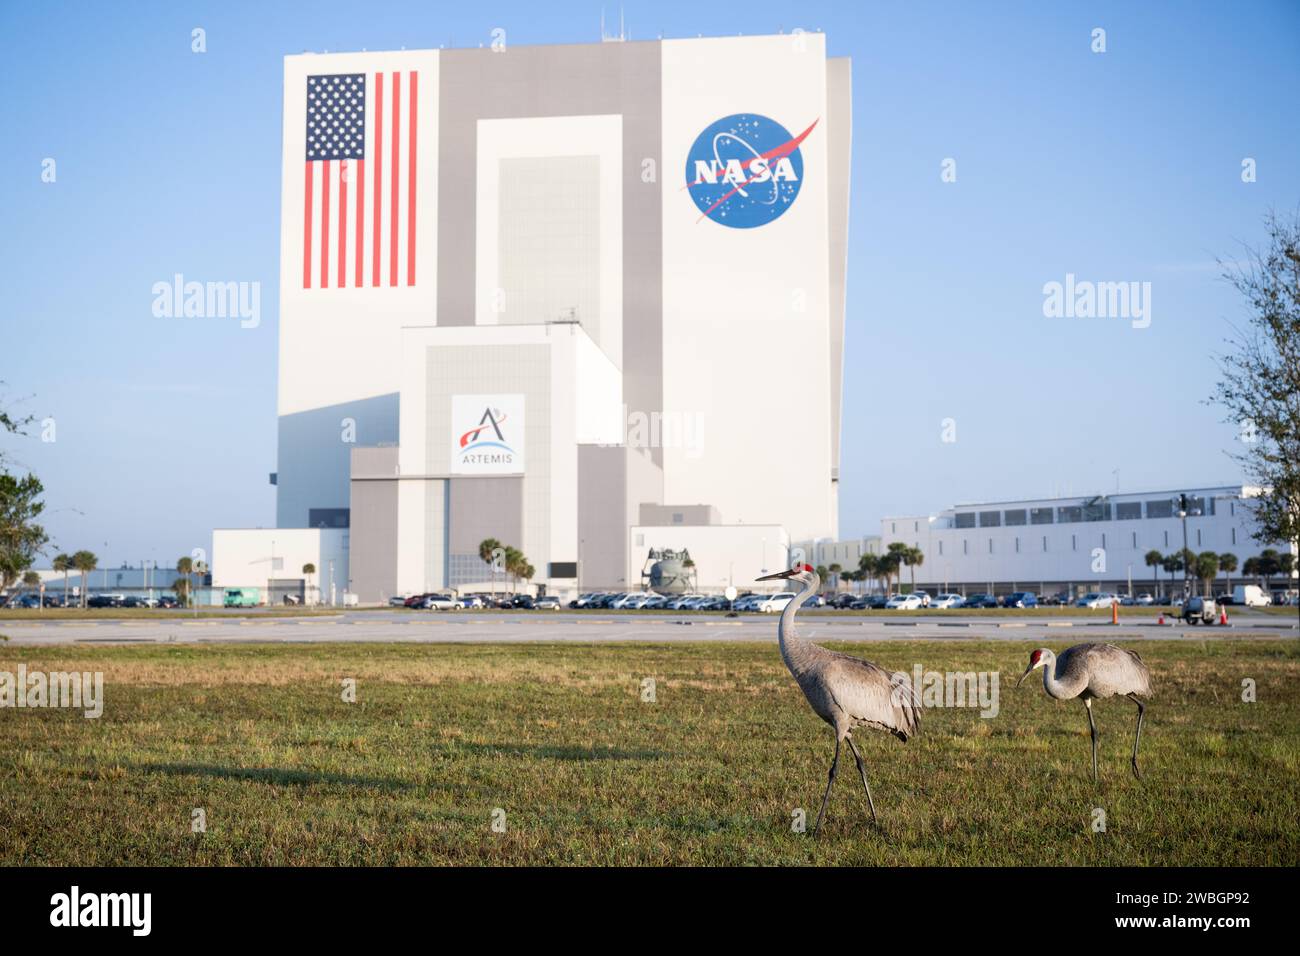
<point>1122,166</point>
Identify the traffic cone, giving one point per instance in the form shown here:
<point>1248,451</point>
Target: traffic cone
<point>1161,621</point>
<point>1223,616</point>
<point>1114,613</point>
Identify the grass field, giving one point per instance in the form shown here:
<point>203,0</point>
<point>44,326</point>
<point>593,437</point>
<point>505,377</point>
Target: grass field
<point>559,738</point>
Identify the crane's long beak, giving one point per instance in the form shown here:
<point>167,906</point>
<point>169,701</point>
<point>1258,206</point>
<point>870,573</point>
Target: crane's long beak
<point>780,574</point>
<point>1029,670</point>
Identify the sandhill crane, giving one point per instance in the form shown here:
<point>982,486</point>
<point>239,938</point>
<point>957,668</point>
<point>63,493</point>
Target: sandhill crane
<point>1092,671</point>
<point>843,691</point>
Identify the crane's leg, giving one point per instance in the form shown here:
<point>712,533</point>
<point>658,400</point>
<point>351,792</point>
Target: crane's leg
<point>1142,710</point>
<point>863,774</point>
<point>830,780</point>
<point>1092,728</point>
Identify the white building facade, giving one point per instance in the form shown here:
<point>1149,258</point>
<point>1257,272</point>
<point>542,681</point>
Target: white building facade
<point>525,293</point>
<point>1078,544</point>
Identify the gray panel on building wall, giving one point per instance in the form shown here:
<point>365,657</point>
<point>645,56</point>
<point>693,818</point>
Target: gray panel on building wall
<point>562,80</point>
<point>549,240</point>
<point>602,516</point>
<point>435,542</point>
<point>503,369</point>
<point>373,536</point>
<point>315,460</point>
<point>482,508</point>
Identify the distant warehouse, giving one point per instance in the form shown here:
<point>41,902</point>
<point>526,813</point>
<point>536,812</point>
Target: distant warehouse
<point>1092,542</point>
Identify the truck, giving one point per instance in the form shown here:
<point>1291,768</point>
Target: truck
<point>241,597</point>
<point>1251,595</point>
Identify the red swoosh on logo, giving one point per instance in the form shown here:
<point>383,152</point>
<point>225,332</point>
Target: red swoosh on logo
<point>776,152</point>
<point>465,439</point>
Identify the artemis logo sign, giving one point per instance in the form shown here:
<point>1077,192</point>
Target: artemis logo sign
<point>487,434</point>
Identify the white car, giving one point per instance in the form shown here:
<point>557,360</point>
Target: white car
<point>440,602</point>
<point>775,603</point>
<point>1145,600</point>
<point>1096,599</point>
<point>947,600</point>
<point>905,602</point>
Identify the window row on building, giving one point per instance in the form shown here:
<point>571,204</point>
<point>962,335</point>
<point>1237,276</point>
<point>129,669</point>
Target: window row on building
<point>1088,511</point>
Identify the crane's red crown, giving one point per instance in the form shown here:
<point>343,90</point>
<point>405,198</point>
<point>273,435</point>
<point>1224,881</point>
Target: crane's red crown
<point>806,567</point>
<point>1033,658</point>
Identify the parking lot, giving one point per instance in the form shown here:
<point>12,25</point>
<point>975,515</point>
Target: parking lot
<point>376,625</point>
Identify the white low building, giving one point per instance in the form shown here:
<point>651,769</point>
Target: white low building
<point>1097,542</point>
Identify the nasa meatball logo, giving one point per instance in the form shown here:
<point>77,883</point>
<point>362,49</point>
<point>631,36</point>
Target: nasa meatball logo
<point>745,170</point>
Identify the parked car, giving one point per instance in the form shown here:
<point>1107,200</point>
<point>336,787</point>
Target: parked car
<point>1021,599</point>
<point>905,602</point>
<point>440,602</point>
<point>1097,599</point>
<point>547,602</point>
<point>1200,610</point>
<point>842,600</point>
<point>471,602</point>
<point>169,601</point>
<point>814,600</point>
<point>871,602</point>
<point>942,601</point>
<point>397,600</point>
<point>1251,595</point>
<point>775,602</point>
<point>241,597</point>
<point>655,602</point>
<point>585,600</point>
<point>1144,600</point>
<point>105,600</point>
<point>980,600</point>
<point>718,602</point>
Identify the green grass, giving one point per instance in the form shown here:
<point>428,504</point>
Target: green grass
<point>558,737</point>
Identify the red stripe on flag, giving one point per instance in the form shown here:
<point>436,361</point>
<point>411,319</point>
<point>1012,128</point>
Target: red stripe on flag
<point>325,225</point>
<point>361,219</point>
<point>345,168</point>
<point>410,194</point>
<point>306,231</point>
<point>397,142</point>
<point>379,170</point>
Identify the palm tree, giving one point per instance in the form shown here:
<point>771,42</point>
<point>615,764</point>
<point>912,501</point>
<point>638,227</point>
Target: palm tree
<point>514,563</point>
<point>1228,563</point>
<point>822,572</point>
<point>309,569</point>
<point>31,579</point>
<point>1153,559</point>
<point>913,558</point>
<point>689,564</point>
<point>1172,563</point>
<point>85,562</point>
<point>868,566</point>
<point>1251,568</point>
<point>1206,569</point>
<point>184,568</point>
<point>62,563</point>
<point>487,550</point>
<point>1269,566</point>
<point>837,570</point>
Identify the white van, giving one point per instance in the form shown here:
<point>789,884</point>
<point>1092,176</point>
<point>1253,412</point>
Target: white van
<point>1251,595</point>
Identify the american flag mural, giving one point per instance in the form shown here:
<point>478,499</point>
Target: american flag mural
<point>359,194</point>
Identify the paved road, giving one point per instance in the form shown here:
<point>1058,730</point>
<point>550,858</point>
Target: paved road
<point>544,626</point>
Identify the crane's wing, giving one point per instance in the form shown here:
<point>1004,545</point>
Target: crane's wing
<point>1110,669</point>
<point>872,695</point>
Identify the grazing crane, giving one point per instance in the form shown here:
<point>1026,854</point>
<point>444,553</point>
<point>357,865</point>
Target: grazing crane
<point>843,691</point>
<point>1090,671</point>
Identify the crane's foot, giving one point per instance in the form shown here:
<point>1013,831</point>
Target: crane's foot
<point>1136,773</point>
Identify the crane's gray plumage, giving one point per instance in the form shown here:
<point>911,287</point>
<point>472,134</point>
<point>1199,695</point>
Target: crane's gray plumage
<point>1092,672</point>
<point>844,691</point>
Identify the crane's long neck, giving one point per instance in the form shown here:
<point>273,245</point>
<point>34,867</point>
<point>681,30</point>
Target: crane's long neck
<point>1057,685</point>
<point>797,653</point>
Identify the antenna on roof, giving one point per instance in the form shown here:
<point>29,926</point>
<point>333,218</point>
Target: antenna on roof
<point>622,32</point>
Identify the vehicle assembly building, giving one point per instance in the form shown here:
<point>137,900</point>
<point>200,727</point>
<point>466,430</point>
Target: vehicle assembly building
<point>586,300</point>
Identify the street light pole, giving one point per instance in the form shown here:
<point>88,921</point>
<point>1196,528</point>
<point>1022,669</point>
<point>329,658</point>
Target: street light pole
<point>1182,514</point>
